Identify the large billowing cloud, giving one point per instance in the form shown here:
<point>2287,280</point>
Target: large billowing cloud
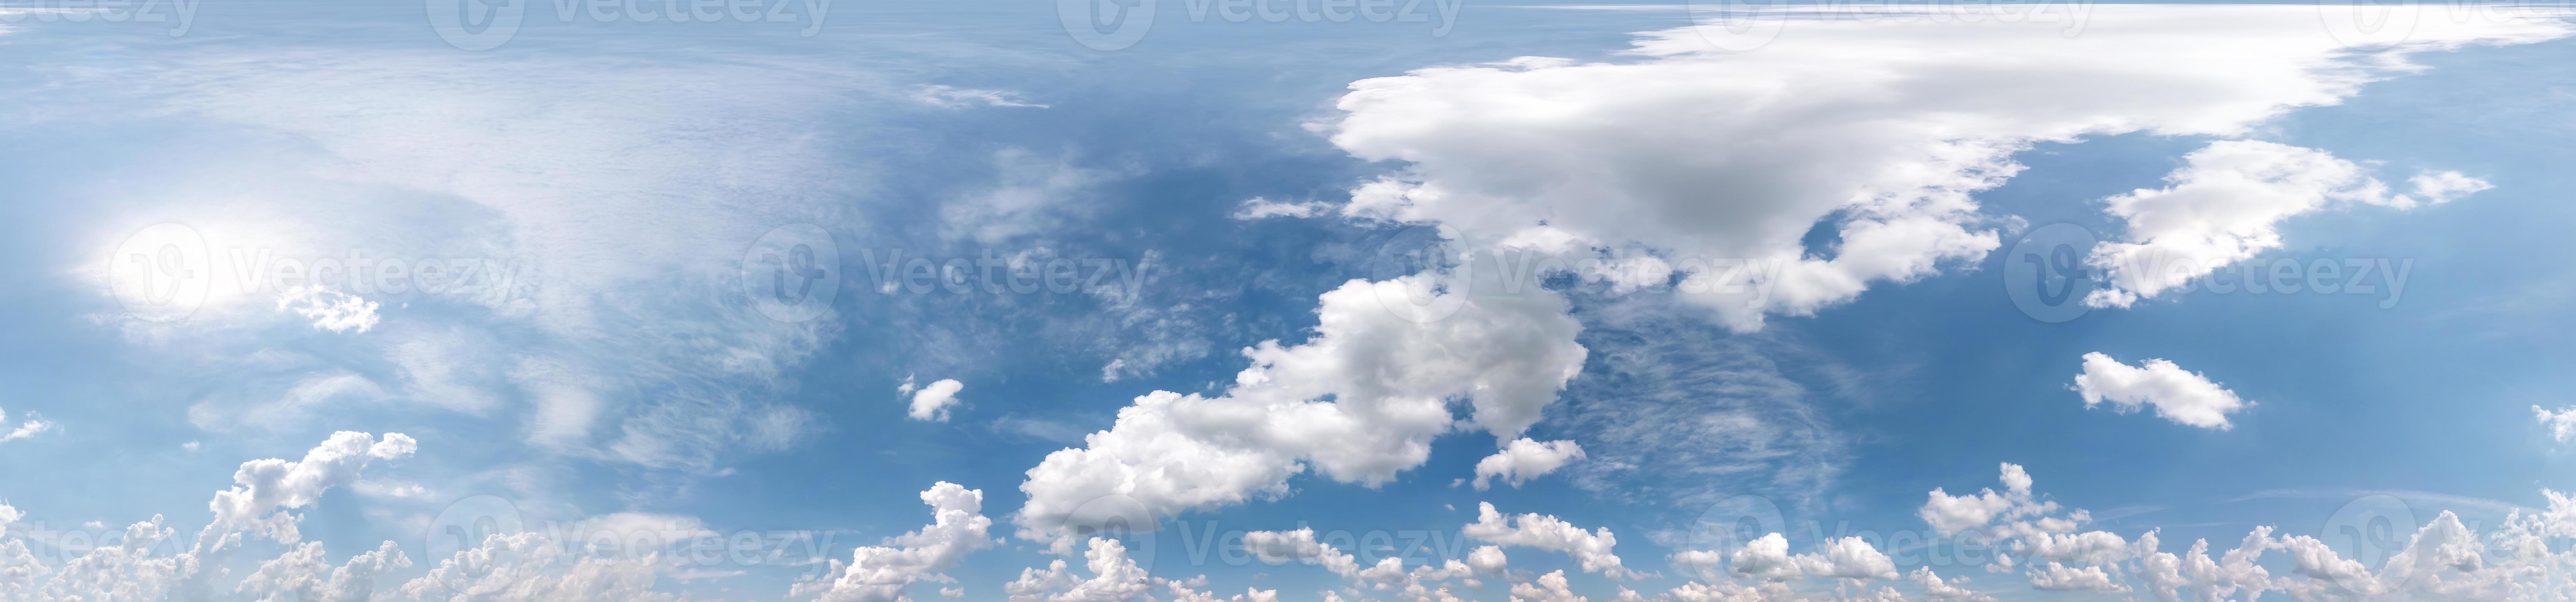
<point>1358,402</point>
<point>1876,126</point>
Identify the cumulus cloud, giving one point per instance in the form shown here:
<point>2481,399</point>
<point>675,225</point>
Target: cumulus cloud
<point>32,426</point>
<point>1590,549</point>
<point>1767,559</point>
<point>1358,402</point>
<point>1951,514</point>
<point>533,567</point>
<point>330,310</point>
<point>1878,130</point>
<point>885,572</point>
<point>2178,395</point>
<point>2562,423</point>
<point>932,402</point>
<point>1524,459</point>
<point>302,574</point>
<point>278,485</point>
<point>2223,206</point>
<point>147,561</point>
<point>1114,578</point>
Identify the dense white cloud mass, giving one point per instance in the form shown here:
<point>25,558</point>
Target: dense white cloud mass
<point>2178,395</point>
<point>1524,459</point>
<point>1359,402</point>
<point>1590,549</point>
<point>302,575</point>
<point>2222,207</point>
<point>532,567</point>
<point>883,573</point>
<point>148,562</point>
<point>932,402</point>
<point>280,485</point>
<point>1881,126</point>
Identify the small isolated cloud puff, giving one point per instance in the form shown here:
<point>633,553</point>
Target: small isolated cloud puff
<point>958,98</point>
<point>2178,395</point>
<point>931,403</point>
<point>1259,208</point>
<point>33,425</point>
<point>330,310</point>
<point>2562,423</point>
<point>1524,459</point>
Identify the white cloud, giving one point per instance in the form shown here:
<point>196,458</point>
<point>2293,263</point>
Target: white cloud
<point>330,310</point>
<point>1114,578</point>
<point>2057,577</point>
<point>1591,549</point>
<point>958,98</point>
<point>932,402</point>
<point>883,573</point>
<point>1358,402</point>
<point>1951,514</point>
<point>2446,186</point>
<point>2223,206</point>
<point>279,485</point>
<point>1259,208</point>
<point>1550,587</point>
<point>2178,395</point>
<point>136,566</point>
<point>302,574</point>
<point>2562,424</point>
<point>1951,590</point>
<point>531,567</point>
<point>1767,559</point>
<point>1524,459</point>
<point>1881,127</point>
<point>30,428</point>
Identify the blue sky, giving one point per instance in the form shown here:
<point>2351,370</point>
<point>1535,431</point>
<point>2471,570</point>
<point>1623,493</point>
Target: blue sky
<point>1262,349</point>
